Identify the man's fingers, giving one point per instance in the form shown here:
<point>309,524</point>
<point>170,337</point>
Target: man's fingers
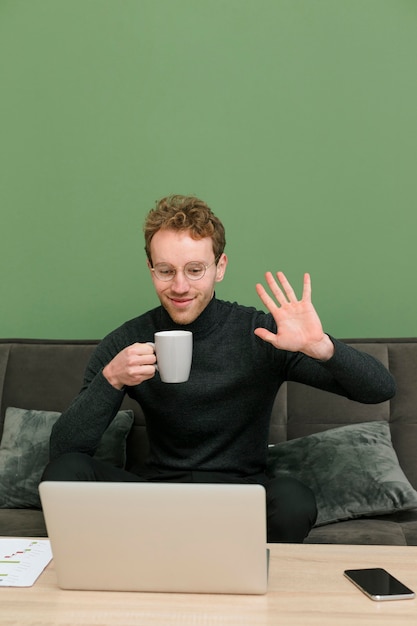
<point>285,293</point>
<point>289,291</point>
<point>282,295</point>
<point>141,348</point>
<point>265,297</point>
<point>275,288</point>
<point>265,334</point>
<point>307,287</point>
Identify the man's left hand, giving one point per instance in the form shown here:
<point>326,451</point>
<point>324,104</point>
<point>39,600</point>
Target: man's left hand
<point>299,327</point>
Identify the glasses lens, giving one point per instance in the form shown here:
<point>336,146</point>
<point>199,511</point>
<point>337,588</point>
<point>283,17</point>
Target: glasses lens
<point>164,272</point>
<point>194,270</point>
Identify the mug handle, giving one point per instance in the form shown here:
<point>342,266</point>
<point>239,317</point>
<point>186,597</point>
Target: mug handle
<point>151,343</point>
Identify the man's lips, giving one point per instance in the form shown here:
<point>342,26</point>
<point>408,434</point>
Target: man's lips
<point>181,302</point>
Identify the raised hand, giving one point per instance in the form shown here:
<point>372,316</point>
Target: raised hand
<point>299,326</point>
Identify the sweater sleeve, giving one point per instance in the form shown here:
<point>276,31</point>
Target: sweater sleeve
<point>350,372</point>
<point>80,427</point>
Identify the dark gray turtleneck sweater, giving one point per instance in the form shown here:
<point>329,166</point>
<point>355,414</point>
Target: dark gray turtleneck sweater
<point>219,419</point>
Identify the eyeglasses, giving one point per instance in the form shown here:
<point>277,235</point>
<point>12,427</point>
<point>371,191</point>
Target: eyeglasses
<point>194,270</point>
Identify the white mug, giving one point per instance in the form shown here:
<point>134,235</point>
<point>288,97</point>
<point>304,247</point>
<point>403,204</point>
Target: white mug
<point>174,352</point>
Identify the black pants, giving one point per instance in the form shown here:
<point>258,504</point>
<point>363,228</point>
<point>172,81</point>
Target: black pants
<point>291,506</point>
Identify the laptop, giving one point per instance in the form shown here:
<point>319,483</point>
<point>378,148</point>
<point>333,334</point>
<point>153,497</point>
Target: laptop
<point>157,537</point>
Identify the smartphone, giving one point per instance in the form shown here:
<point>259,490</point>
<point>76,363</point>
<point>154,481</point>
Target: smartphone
<point>378,584</point>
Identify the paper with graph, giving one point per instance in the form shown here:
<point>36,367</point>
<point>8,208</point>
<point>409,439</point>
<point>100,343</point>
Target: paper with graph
<point>22,561</point>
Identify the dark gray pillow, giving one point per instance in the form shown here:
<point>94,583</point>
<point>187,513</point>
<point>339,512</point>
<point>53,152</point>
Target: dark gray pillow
<point>353,471</point>
<point>24,452</point>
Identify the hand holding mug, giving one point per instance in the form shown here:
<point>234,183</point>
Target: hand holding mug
<point>131,366</point>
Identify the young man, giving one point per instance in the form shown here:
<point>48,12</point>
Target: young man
<point>214,427</point>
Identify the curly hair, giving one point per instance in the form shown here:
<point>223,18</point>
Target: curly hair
<point>184,213</point>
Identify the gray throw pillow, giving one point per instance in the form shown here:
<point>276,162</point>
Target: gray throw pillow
<point>24,452</point>
<point>353,471</point>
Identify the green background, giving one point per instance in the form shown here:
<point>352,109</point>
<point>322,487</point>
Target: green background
<point>294,119</point>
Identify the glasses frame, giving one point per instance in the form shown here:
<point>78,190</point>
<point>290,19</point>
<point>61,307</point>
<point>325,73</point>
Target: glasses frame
<point>167,280</point>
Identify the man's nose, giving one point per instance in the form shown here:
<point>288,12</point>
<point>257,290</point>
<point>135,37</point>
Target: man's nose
<point>180,282</point>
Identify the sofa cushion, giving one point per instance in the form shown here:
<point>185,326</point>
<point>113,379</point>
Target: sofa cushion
<point>353,471</point>
<point>24,452</point>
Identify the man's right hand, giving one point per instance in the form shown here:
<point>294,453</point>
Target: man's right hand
<point>131,366</point>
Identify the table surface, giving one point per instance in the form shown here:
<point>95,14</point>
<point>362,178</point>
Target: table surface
<point>306,586</point>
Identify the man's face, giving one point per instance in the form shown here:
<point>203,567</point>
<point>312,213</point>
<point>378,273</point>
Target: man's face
<point>185,299</point>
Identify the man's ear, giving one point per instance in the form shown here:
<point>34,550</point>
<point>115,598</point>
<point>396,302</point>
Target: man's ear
<point>221,268</point>
<point>149,266</point>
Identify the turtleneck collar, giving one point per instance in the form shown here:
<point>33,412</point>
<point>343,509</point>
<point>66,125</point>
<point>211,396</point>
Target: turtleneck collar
<point>204,323</point>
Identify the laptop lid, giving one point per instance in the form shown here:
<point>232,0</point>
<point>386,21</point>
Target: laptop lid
<point>176,537</point>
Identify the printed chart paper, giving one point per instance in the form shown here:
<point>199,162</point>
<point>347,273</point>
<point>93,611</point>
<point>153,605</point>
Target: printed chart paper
<point>22,561</point>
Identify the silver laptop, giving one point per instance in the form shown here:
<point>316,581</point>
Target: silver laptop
<point>176,537</point>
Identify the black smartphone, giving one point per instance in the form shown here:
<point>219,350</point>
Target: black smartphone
<point>378,584</point>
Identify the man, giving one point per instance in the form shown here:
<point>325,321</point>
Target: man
<point>214,427</point>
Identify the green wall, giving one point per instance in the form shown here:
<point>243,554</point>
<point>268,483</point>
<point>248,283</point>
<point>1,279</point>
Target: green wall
<point>296,120</point>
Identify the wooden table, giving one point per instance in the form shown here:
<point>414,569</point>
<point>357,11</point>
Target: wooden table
<point>306,586</point>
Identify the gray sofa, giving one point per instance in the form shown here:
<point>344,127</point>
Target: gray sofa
<point>45,375</point>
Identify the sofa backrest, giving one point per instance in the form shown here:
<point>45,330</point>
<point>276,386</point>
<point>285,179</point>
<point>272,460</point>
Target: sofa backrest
<point>47,375</point>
